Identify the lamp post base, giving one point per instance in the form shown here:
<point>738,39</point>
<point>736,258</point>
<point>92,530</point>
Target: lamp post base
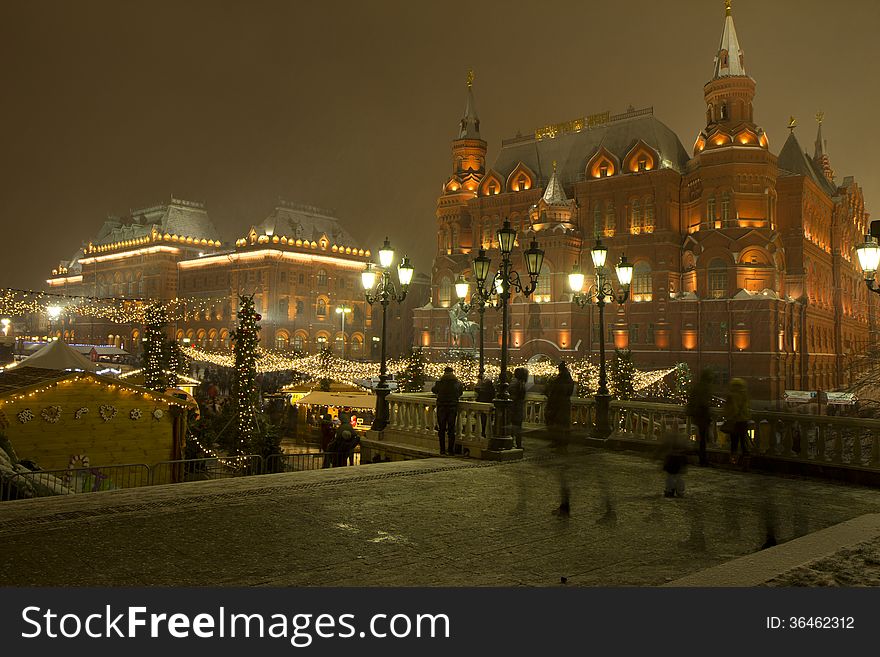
<point>381,419</point>
<point>602,429</point>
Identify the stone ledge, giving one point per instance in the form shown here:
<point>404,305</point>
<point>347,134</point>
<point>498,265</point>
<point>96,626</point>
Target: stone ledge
<point>760,567</point>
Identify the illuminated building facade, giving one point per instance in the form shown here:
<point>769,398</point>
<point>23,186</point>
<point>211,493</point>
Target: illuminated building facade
<point>743,259</point>
<point>299,263</point>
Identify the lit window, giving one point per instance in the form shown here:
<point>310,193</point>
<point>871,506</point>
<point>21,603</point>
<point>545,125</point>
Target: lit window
<point>641,282</point>
<point>635,218</point>
<point>610,219</point>
<point>444,293</point>
<point>322,308</point>
<point>717,279</point>
<point>322,277</point>
<point>543,290</point>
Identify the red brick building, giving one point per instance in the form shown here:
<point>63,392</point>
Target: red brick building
<point>744,260</point>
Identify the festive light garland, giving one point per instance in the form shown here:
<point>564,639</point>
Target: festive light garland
<point>154,348</point>
<point>119,310</point>
<point>245,348</point>
<point>316,367</point>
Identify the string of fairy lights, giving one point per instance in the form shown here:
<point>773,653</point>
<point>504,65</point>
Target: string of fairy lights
<point>316,367</point>
<point>120,310</point>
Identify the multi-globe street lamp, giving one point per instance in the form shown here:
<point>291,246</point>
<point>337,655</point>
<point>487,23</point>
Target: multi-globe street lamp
<point>598,293</point>
<point>505,281</point>
<point>480,299</point>
<point>378,287</point>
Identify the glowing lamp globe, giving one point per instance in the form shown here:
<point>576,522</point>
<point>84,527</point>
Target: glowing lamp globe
<point>506,237</point>
<point>405,271</point>
<point>576,279</point>
<point>624,271</point>
<point>869,256</point>
<point>461,288</point>
<point>481,267</point>
<point>386,255</point>
<point>598,254</point>
<point>368,277</point>
<point>534,259</point>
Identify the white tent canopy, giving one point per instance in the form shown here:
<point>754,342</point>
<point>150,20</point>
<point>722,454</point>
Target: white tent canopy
<point>57,355</point>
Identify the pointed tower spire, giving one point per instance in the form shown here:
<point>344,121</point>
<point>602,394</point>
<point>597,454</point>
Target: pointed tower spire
<point>729,60</point>
<point>555,194</point>
<point>470,122</point>
<point>820,157</point>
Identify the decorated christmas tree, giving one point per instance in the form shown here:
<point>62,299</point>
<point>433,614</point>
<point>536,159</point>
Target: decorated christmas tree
<point>176,361</point>
<point>681,383</point>
<point>326,367</point>
<point>622,374</point>
<point>412,378</point>
<point>244,386</point>
<point>154,355</point>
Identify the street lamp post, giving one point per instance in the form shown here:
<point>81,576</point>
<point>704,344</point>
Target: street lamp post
<point>384,292</point>
<point>343,311</point>
<point>480,299</point>
<point>598,293</point>
<point>505,281</point>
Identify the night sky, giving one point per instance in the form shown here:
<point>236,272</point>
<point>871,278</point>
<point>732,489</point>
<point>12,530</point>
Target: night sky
<point>111,106</point>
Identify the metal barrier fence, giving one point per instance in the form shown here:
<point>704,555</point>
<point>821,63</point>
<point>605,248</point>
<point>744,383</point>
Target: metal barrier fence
<point>308,461</point>
<point>48,483</point>
<point>78,480</point>
<point>223,467</point>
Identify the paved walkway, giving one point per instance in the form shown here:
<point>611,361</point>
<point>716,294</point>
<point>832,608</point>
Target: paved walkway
<point>450,522</point>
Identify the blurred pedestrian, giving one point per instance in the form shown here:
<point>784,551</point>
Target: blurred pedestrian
<point>559,392</point>
<point>558,419</point>
<point>448,390</point>
<point>518,398</point>
<point>345,439</point>
<point>699,409</point>
<point>327,435</point>
<point>736,418</point>
<point>485,390</point>
<point>674,463</point>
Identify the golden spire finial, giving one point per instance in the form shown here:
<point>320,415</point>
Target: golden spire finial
<point>727,6</point>
<point>554,166</point>
<point>792,123</point>
<point>820,116</point>
<point>470,78</point>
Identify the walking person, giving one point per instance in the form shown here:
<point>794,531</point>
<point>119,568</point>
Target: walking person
<point>674,464</point>
<point>558,419</point>
<point>485,390</point>
<point>346,439</point>
<point>699,407</point>
<point>518,399</point>
<point>736,418</point>
<point>448,390</point>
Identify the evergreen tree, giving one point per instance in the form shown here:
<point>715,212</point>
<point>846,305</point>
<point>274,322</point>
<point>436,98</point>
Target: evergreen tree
<point>412,378</point>
<point>244,384</point>
<point>154,355</point>
<point>681,383</point>
<point>622,374</point>
<point>325,360</point>
<point>176,361</point>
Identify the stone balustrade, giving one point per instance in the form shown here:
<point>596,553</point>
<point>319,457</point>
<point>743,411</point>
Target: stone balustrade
<point>814,439</point>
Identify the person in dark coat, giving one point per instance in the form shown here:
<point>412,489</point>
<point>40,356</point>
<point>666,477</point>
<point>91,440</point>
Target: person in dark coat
<point>559,392</point>
<point>736,418</point>
<point>518,398</point>
<point>327,436</point>
<point>699,407</point>
<point>485,390</point>
<point>448,390</point>
<point>674,464</point>
<point>558,419</point>
<point>345,440</point>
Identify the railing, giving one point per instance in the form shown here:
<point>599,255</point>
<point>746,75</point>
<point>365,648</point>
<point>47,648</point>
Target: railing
<point>43,483</point>
<point>416,414</point>
<point>46,483</point>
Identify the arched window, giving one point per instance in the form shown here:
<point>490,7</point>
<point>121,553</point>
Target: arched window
<point>641,282</point>
<point>543,291</point>
<point>717,279</point>
<point>357,346</point>
<point>710,210</point>
<point>321,277</point>
<point>444,293</point>
<point>282,340</point>
<point>635,217</point>
<point>649,215</point>
<point>610,219</point>
<point>298,342</point>
<point>725,208</point>
<point>322,308</point>
<point>597,220</point>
